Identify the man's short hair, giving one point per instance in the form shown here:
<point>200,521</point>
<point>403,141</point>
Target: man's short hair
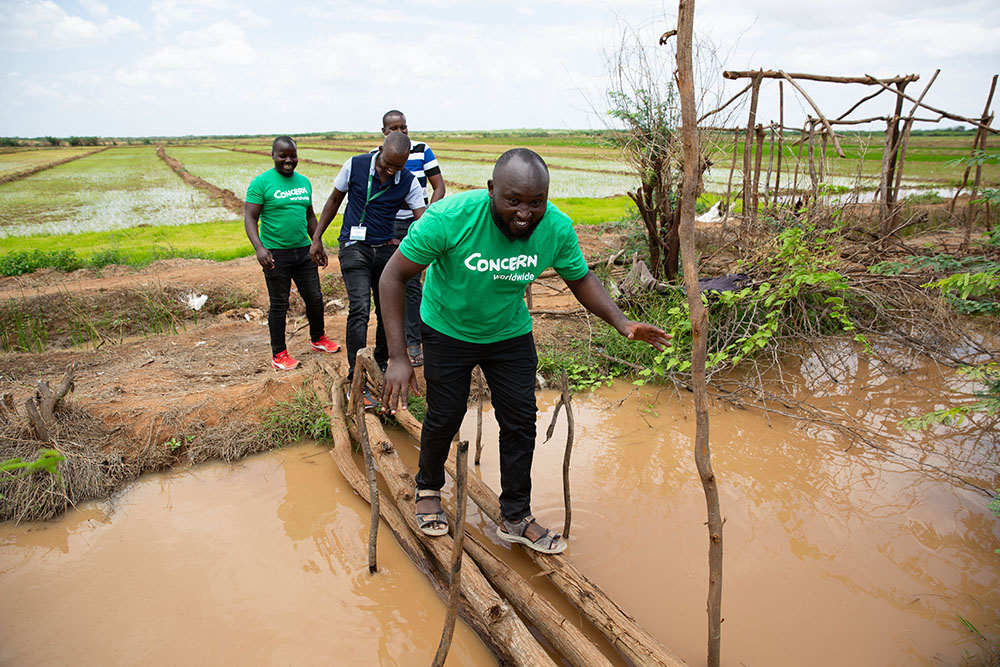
<point>524,155</point>
<point>392,113</point>
<point>283,140</point>
<point>397,142</point>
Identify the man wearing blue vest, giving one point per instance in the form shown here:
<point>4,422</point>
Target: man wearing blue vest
<point>376,186</point>
<point>424,166</point>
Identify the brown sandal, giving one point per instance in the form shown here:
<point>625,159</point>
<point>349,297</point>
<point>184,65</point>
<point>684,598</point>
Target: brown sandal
<point>515,531</point>
<point>426,520</point>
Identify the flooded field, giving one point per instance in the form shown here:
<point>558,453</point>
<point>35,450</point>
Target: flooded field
<point>835,553</point>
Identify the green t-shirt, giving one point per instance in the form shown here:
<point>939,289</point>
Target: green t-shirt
<point>475,282</point>
<point>284,200</point>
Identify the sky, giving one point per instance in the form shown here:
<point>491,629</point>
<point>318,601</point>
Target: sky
<point>178,67</point>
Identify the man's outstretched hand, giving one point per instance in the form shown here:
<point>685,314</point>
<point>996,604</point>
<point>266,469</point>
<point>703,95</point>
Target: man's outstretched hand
<point>398,381</point>
<point>655,336</point>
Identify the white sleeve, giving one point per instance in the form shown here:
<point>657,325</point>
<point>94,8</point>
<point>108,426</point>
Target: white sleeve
<point>343,178</point>
<point>415,197</point>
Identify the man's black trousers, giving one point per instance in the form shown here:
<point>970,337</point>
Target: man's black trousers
<point>509,367</point>
<point>292,264</point>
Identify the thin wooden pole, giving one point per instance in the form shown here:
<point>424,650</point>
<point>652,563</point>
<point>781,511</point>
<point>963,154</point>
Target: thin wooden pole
<point>359,417</point>
<point>479,414</point>
<point>781,136</point>
<point>900,152</point>
<point>747,143</point>
<point>528,296</point>
<point>732,168</point>
<point>455,577</point>
<point>567,397</point>
<point>758,157</point>
<point>812,162</point>
<point>798,161</point>
<point>699,327</point>
<point>822,118</point>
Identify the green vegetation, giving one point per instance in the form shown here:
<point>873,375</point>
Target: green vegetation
<point>135,246</point>
<point>48,461</point>
<point>290,421</point>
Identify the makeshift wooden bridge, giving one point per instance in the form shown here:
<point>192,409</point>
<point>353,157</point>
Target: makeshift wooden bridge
<point>495,601</point>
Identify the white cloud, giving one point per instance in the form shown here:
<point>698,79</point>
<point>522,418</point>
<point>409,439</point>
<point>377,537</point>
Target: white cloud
<point>42,25</point>
<point>96,8</point>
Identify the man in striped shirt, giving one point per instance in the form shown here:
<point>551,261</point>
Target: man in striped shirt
<point>423,165</point>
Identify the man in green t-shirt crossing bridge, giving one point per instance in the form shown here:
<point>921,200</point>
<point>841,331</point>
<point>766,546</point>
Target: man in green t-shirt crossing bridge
<point>481,249</point>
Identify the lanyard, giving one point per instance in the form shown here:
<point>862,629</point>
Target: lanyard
<point>369,198</point>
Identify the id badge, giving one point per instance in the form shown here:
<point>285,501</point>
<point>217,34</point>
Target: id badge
<point>358,233</point>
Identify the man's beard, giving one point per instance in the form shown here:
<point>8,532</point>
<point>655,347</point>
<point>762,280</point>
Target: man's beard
<point>505,229</point>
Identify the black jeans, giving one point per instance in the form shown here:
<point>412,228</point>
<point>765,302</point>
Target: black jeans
<point>361,266</point>
<point>509,367</point>
<point>292,264</point>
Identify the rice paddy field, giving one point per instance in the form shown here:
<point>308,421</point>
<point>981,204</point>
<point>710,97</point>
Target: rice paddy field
<point>128,187</point>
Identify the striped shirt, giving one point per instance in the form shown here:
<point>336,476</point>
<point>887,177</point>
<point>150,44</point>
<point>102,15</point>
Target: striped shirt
<point>421,164</point>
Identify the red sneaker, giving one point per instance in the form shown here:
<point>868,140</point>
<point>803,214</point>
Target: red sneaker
<point>324,344</point>
<point>283,362</point>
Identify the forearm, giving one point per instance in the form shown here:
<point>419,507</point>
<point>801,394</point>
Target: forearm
<point>591,294</point>
<point>437,183</point>
<point>391,288</point>
<point>250,221</point>
<point>329,213</point>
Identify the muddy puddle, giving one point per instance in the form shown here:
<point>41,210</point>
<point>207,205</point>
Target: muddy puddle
<point>835,553</point>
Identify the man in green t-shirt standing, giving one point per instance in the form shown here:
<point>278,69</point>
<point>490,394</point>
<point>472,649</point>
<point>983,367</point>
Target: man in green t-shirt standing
<point>280,201</point>
<point>481,249</point>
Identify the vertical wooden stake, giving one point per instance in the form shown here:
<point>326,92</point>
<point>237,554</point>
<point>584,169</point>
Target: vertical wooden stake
<point>781,135</point>
<point>528,296</point>
<point>455,578</point>
<point>699,327</point>
<point>758,156</point>
<point>770,164</point>
<point>732,168</point>
<point>359,417</point>
<point>479,414</point>
<point>748,142</point>
<point>570,427</point>
<point>813,176</point>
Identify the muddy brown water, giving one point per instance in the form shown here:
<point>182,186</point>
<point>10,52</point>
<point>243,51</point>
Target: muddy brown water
<point>835,553</point>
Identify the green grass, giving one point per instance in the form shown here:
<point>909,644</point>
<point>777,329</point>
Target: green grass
<point>140,245</point>
<point>588,211</point>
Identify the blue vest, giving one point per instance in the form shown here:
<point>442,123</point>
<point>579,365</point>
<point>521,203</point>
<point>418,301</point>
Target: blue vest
<point>381,212</point>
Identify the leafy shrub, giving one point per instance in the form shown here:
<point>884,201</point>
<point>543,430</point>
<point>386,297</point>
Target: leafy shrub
<point>20,262</point>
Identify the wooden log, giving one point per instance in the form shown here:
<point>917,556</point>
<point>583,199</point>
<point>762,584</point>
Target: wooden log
<point>890,193</point>
<point>624,633</point>
<point>503,622</point>
<point>342,455</point>
<point>867,79</point>
<point>813,176</point>
<point>565,637</point>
